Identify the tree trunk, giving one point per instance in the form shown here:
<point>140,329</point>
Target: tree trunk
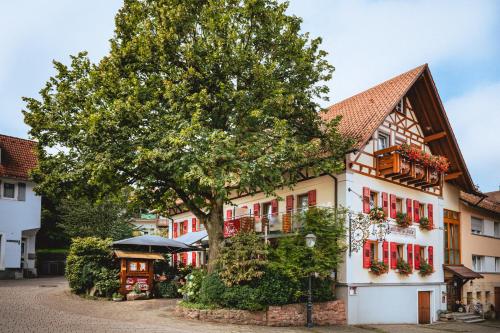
<point>214,224</point>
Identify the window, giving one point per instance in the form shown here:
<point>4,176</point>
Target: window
<point>469,298</point>
<point>477,263</point>
<point>400,252</point>
<point>302,202</point>
<point>451,237</point>
<point>399,205</point>
<point>383,140</point>
<point>487,296</point>
<point>21,191</point>
<point>423,257</point>
<point>497,265</point>
<point>478,296</point>
<point>8,190</point>
<point>373,199</point>
<point>267,209</point>
<point>476,226</point>
<point>421,209</point>
<point>497,229</point>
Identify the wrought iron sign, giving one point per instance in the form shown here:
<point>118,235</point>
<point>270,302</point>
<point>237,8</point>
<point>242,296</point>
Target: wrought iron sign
<point>360,229</point>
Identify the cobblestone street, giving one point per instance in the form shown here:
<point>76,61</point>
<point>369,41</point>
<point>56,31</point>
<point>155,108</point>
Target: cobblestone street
<point>45,305</point>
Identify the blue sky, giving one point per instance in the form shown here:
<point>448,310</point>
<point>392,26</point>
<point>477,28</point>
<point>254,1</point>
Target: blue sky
<point>368,42</point>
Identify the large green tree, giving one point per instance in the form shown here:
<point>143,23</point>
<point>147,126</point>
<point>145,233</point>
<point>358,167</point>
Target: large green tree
<point>197,101</point>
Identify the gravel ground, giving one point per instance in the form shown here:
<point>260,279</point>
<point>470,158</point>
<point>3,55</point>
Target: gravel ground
<point>46,305</point>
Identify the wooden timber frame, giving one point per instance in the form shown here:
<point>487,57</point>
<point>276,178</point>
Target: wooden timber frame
<point>136,268</point>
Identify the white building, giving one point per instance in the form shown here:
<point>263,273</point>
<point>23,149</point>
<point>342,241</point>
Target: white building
<point>150,224</point>
<point>404,110</point>
<point>20,208</point>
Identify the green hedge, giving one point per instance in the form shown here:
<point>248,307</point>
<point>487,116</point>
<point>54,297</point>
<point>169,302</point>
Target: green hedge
<point>90,267</point>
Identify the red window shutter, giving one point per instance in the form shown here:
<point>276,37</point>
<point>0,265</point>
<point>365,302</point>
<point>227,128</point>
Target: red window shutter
<point>393,206</point>
<point>410,255</point>
<point>430,252</point>
<point>430,214</point>
<point>416,211</point>
<point>385,252</point>
<point>176,234</point>
<point>311,198</point>
<point>184,258</point>
<point>394,255</point>
<point>366,255</point>
<point>185,227</point>
<point>274,207</point>
<point>174,259</point>
<point>229,214</point>
<point>366,200</point>
<point>193,259</point>
<point>256,209</point>
<point>193,224</point>
<point>417,256</point>
<point>289,203</point>
<point>385,203</point>
<point>408,209</point>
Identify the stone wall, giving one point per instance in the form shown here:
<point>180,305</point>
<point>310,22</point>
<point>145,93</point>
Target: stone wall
<point>327,313</point>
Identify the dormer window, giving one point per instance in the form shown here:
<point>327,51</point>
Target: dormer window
<point>383,140</point>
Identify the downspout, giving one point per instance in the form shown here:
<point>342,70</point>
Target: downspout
<point>335,190</point>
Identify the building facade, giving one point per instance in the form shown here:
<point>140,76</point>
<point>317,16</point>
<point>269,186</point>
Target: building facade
<point>20,208</point>
<point>402,112</point>
<point>480,249</point>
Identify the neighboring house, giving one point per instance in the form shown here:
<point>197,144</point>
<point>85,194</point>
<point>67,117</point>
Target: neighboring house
<point>480,248</point>
<point>20,208</point>
<point>406,109</point>
<point>150,224</point>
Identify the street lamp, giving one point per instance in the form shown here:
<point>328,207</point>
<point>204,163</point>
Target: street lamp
<point>310,242</point>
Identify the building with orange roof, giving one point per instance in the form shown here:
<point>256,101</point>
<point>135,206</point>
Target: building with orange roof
<point>20,208</point>
<point>407,164</point>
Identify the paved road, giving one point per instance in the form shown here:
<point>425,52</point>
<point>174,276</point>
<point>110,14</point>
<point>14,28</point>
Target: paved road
<point>45,305</point>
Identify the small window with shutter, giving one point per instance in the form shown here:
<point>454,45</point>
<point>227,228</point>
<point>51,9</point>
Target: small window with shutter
<point>9,190</point>
<point>476,225</point>
<point>302,202</point>
<point>373,199</point>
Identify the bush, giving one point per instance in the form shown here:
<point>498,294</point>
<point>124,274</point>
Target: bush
<point>277,288</point>
<point>168,289</point>
<point>193,284</point>
<point>212,289</point>
<point>322,290</point>
<point>90,264</point>
<point>243,297</point>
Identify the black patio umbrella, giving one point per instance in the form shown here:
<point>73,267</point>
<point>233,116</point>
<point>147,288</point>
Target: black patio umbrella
<point>158,243</point>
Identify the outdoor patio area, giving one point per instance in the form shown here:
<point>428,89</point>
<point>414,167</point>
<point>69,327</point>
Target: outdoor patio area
<point>52,308</point>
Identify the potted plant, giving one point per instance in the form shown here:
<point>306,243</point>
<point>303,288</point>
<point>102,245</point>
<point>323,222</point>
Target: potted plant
<point>425,268</point>
<point>378,267</point>
<point>117,297</point>
<point>403,267</point>
<point>136,293</point>
<point>403,220</point>
<point>424,223</point>
<point>377,215</point>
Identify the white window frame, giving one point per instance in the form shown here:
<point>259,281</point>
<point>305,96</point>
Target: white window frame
<point>497,264</point>
<point>477,263</point>
<point>2,184</point>
<point>496,229</point>
<point>385,135</point>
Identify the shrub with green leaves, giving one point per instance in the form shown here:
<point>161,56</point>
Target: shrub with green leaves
<point>243,297</point>
<point>277,288</point>
<point>90,264</point>
<point>242,258</point>
<point>193,284</point>
<point>168,289</point>
<point>212,289</point>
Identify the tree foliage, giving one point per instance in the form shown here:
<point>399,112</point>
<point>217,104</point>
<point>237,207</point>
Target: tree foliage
<point>106,218</point>
<point>242,258</point>
<point>197,100</point>
<point>293,256</point>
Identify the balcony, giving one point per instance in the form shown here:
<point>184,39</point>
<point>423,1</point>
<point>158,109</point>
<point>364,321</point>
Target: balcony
<point>271,225</point>
<point>396,164</point>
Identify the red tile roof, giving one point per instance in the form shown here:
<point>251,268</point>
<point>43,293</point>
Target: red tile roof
<point>17,157</point>
<point>363,113</point>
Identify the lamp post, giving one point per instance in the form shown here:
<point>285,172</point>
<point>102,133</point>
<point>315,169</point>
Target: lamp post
<point>310,242</point>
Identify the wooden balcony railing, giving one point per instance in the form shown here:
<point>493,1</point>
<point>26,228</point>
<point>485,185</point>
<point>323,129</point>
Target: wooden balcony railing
<point>394,165</point>
<point>274,224</point>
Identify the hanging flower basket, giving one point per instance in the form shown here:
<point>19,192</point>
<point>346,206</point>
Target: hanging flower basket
<point>426,269</point>
<point>425,224</point>
<point>377,215</point>
<point>424,159</point>
<point>378,267</point>
<point>403,268</point>
<point>403,220</point>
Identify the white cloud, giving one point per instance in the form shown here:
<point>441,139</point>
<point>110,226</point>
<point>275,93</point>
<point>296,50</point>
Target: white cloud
<point>475,118</point>
<point>371,41</point>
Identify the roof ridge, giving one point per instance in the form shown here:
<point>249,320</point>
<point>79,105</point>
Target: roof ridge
<point>17,138</point>
<point>376,86</point>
